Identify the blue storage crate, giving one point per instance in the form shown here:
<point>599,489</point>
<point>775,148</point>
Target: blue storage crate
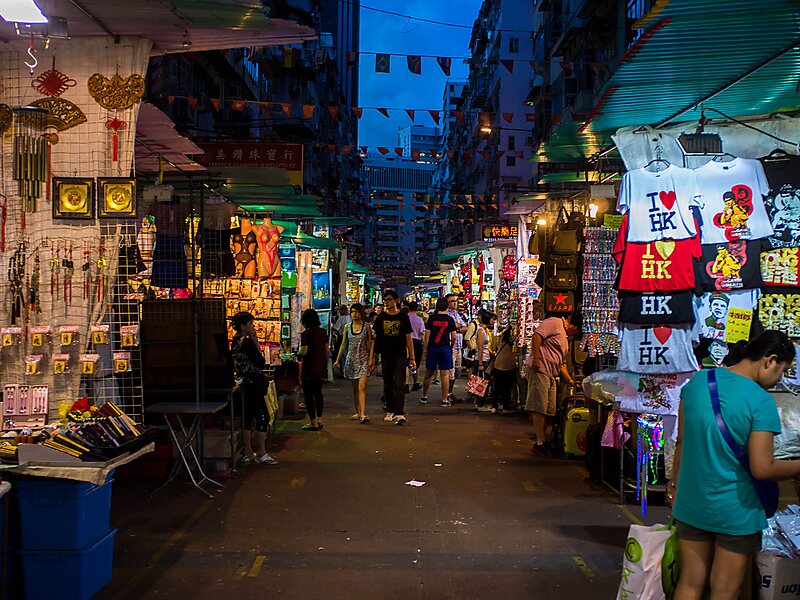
<point>68,574</point>
<point>61,514</point>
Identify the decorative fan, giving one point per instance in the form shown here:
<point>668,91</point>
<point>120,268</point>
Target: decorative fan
<point>61,114</point>
<point>116,92</point>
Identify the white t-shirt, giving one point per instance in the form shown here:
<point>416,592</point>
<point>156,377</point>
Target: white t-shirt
<point>731,199</point>
<point>341,322</point>
<point>658,204</point>
<point>664,349</point>
<point>713,310</point>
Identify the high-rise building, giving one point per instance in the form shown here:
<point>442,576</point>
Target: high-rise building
<point>341,19</point>
<point>419,142</point>
<point>396,191</point>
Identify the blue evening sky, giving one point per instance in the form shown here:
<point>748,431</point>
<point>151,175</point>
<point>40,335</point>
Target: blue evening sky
<point>400,88</point>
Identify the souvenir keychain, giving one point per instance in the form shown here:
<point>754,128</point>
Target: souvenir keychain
<point>60,363</point>
<point>33,363</point>
<point>68,334</point>
<point>122,362</point>
<point>11,336</point>
<point>129,335</point>
<point>100,334</point>
<point>89,363</point>
<point>39,335</point>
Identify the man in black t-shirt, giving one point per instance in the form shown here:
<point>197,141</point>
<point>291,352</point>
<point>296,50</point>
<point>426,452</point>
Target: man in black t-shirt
<point>393,343</point>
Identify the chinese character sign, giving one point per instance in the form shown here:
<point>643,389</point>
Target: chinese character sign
<point>255,154</point>
<point>499,232</point>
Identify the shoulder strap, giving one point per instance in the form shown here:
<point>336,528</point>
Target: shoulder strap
<point>723,429</point>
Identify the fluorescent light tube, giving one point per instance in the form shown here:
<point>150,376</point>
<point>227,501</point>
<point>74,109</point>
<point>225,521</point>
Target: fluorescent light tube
<point>21,11</point>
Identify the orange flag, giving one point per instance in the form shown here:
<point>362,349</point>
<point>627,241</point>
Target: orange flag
<point>383,111</point>
<point>287,109</point>
<point>358,111</point>
<point>308,111</point>
<point>215,103</point>
<point>434,115</point>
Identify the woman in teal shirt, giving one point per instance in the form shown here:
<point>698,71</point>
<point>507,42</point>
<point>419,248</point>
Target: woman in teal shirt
<point>719,515</point>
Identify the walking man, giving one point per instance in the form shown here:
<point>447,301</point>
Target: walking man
<point>440,337</point>
<point>545,363</point>
<point>393,342</point>
<point>461,327</point>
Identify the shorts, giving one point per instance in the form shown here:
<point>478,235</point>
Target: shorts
<point>740,544</point>
<point>541,397</point>
<point>418,349</point>
<point>456,362</point>
<point>439,357</point>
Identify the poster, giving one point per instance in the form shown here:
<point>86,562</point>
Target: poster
<point>325,319</point>
<point>321,290</point>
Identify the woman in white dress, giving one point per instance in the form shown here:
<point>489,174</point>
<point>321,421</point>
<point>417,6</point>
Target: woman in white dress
<point>357,350</point>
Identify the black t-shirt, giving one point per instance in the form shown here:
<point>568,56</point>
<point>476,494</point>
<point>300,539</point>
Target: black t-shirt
<point>440,325</point>
<point>731,266</point>
<point>656,309</point>
<point>315,362</point>
<point>783,201</point>
<point>390,335</point>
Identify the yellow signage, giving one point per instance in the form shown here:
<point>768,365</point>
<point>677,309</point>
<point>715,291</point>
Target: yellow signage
<point>738,327</point>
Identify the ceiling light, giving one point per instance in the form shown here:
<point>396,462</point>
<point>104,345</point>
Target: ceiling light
<point>21,11</point>
<point>486,129</point>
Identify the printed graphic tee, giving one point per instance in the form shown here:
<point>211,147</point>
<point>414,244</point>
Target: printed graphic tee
<point>663,349</point>
<point>781,267</point>
<point>390,335</point>
<point>660,266</point>
<point>783,201</point>
<point>656,309</point>
<point>440,326</point>
<point>730,266</point>
<point>713,309</point>
<point>657,394</point>
<point>731,198</point>
<point>658,204</point>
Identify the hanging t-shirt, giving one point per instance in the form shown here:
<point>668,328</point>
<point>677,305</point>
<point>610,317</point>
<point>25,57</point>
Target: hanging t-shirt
<point>781,312</point>
<point>658,204</point>
<point>783,201</point>
<point>660,266</point>
<point>730,266</point>
<point>657,394</point>
<point>661,349</point>
<point>656,309</point>
<point>781,267</point>
<point>714,310</point>
<point>731,198</point>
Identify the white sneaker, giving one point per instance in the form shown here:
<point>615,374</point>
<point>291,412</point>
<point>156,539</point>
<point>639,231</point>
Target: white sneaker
<point>423,400</point>
<point>400,420</point>
<point>484,408</point>
<point>266,460</point>
<point>355,417</point>
<point>389,417</point>
<point>447,403</point>
<point>247,459</point>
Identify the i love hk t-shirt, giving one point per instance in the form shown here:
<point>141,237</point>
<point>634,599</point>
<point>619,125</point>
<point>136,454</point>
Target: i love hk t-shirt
<point>658,204</point>
<point>660,266</point>
<point>660,349</point>
<point>731,198</point>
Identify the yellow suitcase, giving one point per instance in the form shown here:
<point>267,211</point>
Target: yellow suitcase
<point>575,431</point>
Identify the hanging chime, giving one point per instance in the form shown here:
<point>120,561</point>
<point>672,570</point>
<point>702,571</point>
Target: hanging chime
<point>30,154</point>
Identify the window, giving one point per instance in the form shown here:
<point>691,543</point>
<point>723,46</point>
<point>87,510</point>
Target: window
<point>511,161</point>
<point>452,88</point>
<point>512,142</point>
<point>513,44</point>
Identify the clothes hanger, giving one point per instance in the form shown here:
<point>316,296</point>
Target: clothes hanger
<point>723,155</point>
<point>777,155</point>
<point>659,159</point>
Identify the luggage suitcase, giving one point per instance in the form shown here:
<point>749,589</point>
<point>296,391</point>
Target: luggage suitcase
<point>575,431</point>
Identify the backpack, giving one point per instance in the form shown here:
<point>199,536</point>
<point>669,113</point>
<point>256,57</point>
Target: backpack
<point>471,335</point>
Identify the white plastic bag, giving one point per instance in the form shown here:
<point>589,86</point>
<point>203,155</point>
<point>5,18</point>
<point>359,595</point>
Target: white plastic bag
<point>787,444</point>
<point>641,569</point>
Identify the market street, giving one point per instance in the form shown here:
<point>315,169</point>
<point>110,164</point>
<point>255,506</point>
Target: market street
<point>335,520</point>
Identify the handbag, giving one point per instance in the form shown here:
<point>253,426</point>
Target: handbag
<point>565,261</point>
<point>767,491</point>
<point>562,280</point>
<point>477,386</point>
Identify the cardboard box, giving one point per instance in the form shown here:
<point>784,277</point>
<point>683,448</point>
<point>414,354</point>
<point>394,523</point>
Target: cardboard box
<point>779,577</point>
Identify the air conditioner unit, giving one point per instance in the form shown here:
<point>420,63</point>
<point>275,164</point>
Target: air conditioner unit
<point>158,193</point>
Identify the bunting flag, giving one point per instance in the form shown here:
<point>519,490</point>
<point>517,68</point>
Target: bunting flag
<point>333,111</point>
<point>410,113</point>
<point>352,59</point>
<point>398,151</point>
<point>567,67</point>
<point>237,105</point>
<point>332,148</point>
<point>555,118</point>
<point>520,153</point>
<point>364,149</point>
<point>358,111</point>
<point>287,109</point>
<point>467,155</point>
<point>193,102</point>
<point>444,64</point>
<point>450,153</point>
<point>383,150</point>
<point>508,64</point>
<point>484,154</point>
<point>215,103</point>
<point>434,153</point>
<point>170,99</point>
<point>383,111</point>
<point>434,115</point>
<point>597,67</point>
<point>415,154</point>
<point>382,62</point>
<point>499,153</point>
<point>288,58</point>
<point>484,118</point>
<point>508,117</point>
<point>414,64</point>
<point>346,150</point>
<point>459,115</point>
<point>308,111</point>
<point>530,117</point>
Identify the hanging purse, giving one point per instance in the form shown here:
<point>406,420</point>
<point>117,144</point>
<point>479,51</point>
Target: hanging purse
<point>565,261</point>
<point>767,491</point>
<point>561,279</point>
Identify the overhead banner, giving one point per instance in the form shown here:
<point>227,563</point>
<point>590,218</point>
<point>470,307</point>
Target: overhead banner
<point>255,154</point>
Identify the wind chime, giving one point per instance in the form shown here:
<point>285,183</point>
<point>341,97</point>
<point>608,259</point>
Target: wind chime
<point>31,151</point>
<point>650,448</point>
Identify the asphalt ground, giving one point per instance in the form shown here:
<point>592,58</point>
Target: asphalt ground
<point>335,519</point>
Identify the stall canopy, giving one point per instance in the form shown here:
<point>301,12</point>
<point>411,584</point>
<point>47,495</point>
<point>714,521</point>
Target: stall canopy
<point>453,253</point>
<point>158,146</point>
<point>176,25</point>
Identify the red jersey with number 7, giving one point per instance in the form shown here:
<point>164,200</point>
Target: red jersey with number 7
<point>440,325</point>
<point>660,266</point>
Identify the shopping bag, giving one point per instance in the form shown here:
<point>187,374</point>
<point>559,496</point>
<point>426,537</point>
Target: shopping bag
<point>477,386</point>
<point>272,402</point>
<point>641,568</point>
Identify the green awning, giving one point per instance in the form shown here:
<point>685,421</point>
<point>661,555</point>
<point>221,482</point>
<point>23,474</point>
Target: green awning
<point>356,268</point>
<point>453,253</point>
<point>578,177</point>
<point>311,242</point>
<point>282,210</point>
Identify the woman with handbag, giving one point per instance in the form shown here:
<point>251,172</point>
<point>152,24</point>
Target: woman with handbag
<point>724,464</point>
<point>504,372</point>
<point>484,356</point>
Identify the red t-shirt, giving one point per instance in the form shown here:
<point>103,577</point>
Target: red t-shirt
<point>661,266</point>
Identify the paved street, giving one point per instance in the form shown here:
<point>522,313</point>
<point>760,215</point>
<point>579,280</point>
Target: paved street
<point>335,520</point>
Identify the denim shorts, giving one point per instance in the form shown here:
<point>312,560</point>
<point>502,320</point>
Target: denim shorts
<point>740,544</point>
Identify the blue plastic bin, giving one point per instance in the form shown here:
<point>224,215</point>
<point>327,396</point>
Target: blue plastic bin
<point>68,574</point>
<point>61,514</point>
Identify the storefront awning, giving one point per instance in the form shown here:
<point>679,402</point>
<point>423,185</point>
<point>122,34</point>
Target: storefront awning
<point>453,253</point>
<point>281,210</point>
<point>158,146</point>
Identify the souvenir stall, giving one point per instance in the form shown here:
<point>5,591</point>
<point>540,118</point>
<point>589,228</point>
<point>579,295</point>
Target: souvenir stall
<point>706,257</point>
